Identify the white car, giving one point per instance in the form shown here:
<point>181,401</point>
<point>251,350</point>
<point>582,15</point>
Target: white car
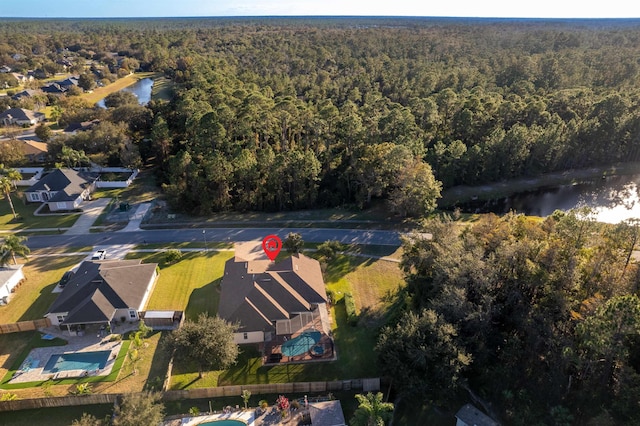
<point>99,255</point>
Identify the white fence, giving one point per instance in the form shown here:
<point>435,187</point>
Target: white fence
<point>99,184</point>
<point>27,171</point>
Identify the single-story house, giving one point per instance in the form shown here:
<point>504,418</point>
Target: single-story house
<point>54,88</point>
<point>20,117</point>
<point>266,298</point>
<point>103,292</point>
<point>5,69</point>
<point>10,277</point>
<point>24,94</point>
<point>22,78</point>
<point>81,126</point>
<point>62,189</point>
<point>34,152</point>
<point>68,82</point>
<point>471,416</point>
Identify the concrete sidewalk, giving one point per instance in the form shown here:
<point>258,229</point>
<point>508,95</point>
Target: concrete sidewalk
<point>90,212</point>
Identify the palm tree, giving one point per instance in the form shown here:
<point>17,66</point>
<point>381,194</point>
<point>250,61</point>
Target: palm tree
<point>6,186</point>
<point>372,411</point>
<point>11,247</point>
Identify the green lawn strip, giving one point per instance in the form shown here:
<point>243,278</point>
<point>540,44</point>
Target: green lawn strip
<point>26,219</point>
<point>190,285</point>
<point>61,251</point>
<point>212,245</point>
<point>122,354</point>
<point>59,416</point>
<point>105,212</point>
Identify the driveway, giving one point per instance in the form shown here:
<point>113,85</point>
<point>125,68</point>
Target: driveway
<point>91,211</point>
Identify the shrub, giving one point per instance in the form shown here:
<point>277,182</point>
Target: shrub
<point>172,256</point>
<point>350,306</point>
<point>330,248</point>
<point>263,404</point>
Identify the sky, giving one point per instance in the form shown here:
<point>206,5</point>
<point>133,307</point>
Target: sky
<point>453,8</point>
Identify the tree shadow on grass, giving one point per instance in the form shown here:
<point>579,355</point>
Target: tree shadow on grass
<point>340,266</point>
<point>54,262</point>
<point>159,363</point>
<point>247,369</point>
<point>204,300</point>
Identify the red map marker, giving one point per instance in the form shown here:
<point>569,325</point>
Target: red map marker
<point>271,246</point>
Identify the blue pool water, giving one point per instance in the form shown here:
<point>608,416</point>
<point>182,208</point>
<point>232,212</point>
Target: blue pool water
<point>78,361</point>
<point>225,422</point>
<point>300,344</point>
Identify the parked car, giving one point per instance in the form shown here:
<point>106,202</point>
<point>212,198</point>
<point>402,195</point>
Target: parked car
<point>65,278</point>
<point>99,255</point>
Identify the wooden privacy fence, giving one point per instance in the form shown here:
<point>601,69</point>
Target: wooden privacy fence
<point>364,385</point>
<point>24,326</point>
<point>61,401</point>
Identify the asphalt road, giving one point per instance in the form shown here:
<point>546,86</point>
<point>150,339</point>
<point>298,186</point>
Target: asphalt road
<point>317,235</point>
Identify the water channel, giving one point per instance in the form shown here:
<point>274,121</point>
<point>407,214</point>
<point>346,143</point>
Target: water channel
<point>141,88</point>
<point>613,199</point>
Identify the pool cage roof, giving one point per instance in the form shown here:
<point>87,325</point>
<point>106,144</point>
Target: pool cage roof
<point>304,320</point>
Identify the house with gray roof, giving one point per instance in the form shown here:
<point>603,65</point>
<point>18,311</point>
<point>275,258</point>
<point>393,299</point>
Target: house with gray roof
<point>104,291</point>
<point>469,415</point>
<point>20,117</point>
<point>269,299</point>
<point>27,93</point>
<point>62,189</point>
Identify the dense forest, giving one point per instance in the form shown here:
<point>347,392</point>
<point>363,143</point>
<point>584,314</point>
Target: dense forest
<point>537,321</point>
<point>275,114</point>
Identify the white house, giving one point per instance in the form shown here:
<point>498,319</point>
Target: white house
<point>62,189</point>
<point>10,277</point>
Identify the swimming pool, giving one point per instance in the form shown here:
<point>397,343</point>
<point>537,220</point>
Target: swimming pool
<point>300,344</point>
<point>77,361</point>
<point>225,422</point>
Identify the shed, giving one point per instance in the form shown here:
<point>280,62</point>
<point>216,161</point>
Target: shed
<point>471,416</point>
<point>162,319</point>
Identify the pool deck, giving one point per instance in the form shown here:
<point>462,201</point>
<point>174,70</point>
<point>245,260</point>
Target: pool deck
<point>37,359</point>
<point>247,417</point>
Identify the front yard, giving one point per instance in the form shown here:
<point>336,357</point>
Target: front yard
<point>26,220</point>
